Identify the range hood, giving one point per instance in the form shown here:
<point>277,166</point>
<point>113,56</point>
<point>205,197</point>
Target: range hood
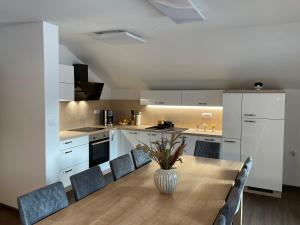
<point>85,90</point>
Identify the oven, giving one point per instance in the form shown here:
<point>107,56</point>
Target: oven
<point>99,148</point>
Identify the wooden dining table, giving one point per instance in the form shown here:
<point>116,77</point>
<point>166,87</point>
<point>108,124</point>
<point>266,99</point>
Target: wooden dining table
<point>203,185</point>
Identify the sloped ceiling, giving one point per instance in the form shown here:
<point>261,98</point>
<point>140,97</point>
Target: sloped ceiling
<point>239,43</point>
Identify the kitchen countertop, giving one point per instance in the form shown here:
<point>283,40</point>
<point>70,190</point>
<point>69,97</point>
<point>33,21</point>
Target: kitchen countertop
<point>66,134</point>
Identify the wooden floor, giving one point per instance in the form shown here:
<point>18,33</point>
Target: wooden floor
<point>258,210</point>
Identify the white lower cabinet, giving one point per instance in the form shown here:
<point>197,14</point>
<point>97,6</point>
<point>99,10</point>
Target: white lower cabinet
<point>190,144</point>
<point>73,158</point>
<point>129,139</point>
<point>114,144</point>
<point>231,149</point>
<point>64,175</point>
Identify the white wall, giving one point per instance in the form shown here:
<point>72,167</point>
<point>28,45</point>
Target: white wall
<point>125,94</point>
<point>291,163</point>
<point>66,57</point>
<point>29,117</point>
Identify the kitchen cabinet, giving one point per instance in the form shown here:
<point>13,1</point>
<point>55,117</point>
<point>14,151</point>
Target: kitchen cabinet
<point>232,115</point>
<point>73,158</point>
<point>231,149</point>
<point>202,98</point>
<point>190,141</point>
<point>160,98</point>
<point>263,140</point>
<point>66,83</point>
<point>65,174</point>
<point>114,144</point>
<point>128,141</point>
<point>263,105</point>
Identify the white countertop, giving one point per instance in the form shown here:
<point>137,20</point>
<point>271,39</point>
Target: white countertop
<point>66,134</point>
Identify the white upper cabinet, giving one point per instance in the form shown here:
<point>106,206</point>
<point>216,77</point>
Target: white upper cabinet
<point>202,98</point>
<point>263,105</point>
<point>66,83</point>
<point>160,98</point>
<point>232,115</point>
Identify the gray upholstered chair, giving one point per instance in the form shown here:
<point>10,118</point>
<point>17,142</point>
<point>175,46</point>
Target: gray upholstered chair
<point>121,166</point>
<point>140,158</point>
<point>220,220</point>
<point>87,182</point>
<point>207,149</point>
<point>41,203</point>
<point>248,164</point>
<point>241,178</point>
<point>232,204</point>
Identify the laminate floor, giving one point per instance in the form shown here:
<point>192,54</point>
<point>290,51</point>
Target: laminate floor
<point>258,210</point>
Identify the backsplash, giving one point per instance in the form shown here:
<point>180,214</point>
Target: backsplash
<point>80,114</point>
<point>182,117</point>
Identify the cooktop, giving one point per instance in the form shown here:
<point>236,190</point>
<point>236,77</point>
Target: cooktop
<point>87,129</point>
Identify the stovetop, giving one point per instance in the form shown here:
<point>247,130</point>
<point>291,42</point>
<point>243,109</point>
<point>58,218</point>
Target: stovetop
<point>165,128</point>
<point>87,129</point>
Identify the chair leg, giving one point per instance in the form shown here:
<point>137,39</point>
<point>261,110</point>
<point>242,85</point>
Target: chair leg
<point>238,217</point>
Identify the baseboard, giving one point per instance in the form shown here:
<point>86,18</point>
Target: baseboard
<point>8,207</point>
<point>264,192</point>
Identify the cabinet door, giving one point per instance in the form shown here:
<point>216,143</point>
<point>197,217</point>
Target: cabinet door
<point>231,149</point>
<point>129,141</point>
<point>190,141</point>
<point>160,98</point>
<point>66,92</point>
<point>264,105</point>
<point>113,144</point>
<point>263,140</point>
<point>202,98</point>
<point>66,74</point>
<point>64,175</point>
<point>73,156</point>
<point>232,113</point>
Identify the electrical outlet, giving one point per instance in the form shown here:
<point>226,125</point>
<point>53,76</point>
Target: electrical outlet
<point>96,111</point>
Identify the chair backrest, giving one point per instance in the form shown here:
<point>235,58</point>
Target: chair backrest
<point>220,220</point>
<point>248,164</point>
<point>41,203</point>
<point>140,158</point>
<point>87,182</point>
<point>232,204</point>
<point>241,178</point>
<point>121,166</point>
<point>207,149</point>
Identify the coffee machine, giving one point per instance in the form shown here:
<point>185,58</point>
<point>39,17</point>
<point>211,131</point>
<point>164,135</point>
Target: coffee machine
<point>107,117</point>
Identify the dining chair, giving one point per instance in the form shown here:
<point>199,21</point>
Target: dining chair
<point>121,166</point>
<point>87,182</point>
<point>207,149</point>
<point>42,203</point>
<point>248,164</point>
<point>241,178</point>
<point>220,220</point>
<point>140,158</point>
<point>232,204</point>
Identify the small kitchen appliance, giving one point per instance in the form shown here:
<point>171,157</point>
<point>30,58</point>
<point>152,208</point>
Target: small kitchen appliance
<point>107,117</point>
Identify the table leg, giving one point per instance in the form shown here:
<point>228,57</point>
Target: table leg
<point>238,217</point>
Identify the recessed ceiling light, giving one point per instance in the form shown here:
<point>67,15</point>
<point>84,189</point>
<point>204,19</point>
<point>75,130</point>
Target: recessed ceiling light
<point>180,11</point>
<point>119,37</point>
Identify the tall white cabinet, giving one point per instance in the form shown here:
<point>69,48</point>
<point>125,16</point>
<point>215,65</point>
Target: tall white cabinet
<point>255,122</point>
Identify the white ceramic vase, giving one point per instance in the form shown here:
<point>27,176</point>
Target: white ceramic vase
<point>165,180</point>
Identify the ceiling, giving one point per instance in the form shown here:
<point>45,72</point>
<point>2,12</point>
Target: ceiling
<point>239,43</point>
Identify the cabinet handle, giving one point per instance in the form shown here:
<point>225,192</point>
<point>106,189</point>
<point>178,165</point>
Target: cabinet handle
<point>202,103</point>
<point>153,134</point>
<point>250,114</point>
<point>68,171</point>
<point>229,141</point>
<point>68,152</point>
<point>68,142</point>
<point>159,103</point>
<point>249,121</point>
<point>112,138</point>
<point>209,139</point>
<point>132,132</point>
